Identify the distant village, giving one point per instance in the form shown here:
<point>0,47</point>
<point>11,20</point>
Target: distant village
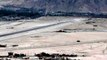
<point>41,56</point>
<point>9,13</point>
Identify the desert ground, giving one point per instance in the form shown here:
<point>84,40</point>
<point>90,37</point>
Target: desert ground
<point>52,34</point>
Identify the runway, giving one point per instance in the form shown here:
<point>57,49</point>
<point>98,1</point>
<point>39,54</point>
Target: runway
<point>33,30</point>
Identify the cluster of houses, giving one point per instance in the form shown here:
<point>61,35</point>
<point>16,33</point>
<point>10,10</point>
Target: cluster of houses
<point>12,55</point>
<point>46,56</point>
<point>40,56</point>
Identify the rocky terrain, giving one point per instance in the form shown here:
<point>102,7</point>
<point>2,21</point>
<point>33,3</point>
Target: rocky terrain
<point>44,7</point>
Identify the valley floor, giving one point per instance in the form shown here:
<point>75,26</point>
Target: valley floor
<point>63,35</point>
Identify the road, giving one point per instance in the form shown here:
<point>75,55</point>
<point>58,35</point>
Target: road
<point>33,30</point>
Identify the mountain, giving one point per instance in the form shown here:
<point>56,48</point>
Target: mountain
<point>53,6</point>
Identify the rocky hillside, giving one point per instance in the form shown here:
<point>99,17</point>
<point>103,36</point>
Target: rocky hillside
<point>52,6</point>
